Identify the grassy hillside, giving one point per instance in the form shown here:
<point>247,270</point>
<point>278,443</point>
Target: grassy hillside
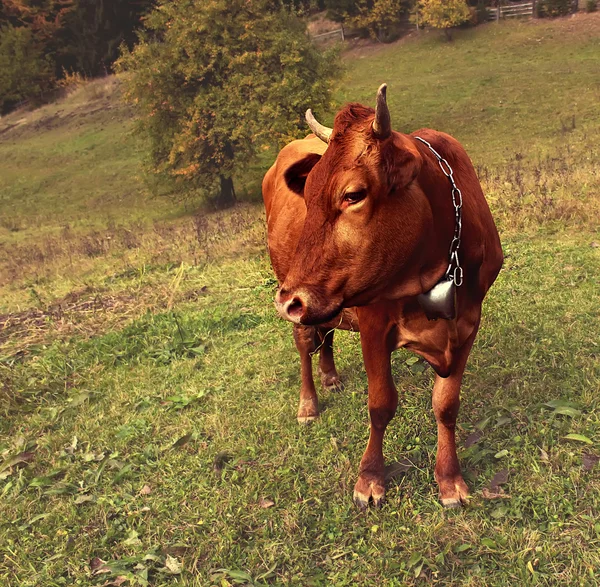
<point>148,391</point>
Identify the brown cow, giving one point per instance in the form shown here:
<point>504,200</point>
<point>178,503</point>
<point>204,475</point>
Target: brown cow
<point>361,224</point>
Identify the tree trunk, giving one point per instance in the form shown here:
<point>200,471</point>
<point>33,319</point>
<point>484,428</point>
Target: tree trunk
<point>226,197</point>
<point>448,33</point>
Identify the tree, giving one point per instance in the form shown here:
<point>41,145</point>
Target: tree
<point>94,30</point>
<point>341,10</point>
<point>380,18</point>
<point>24,70</point>
<point>215,81</point>
<point>443,14</point>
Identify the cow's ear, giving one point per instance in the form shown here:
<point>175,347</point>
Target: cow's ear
<point>402,162</point>
<point>295,175</point>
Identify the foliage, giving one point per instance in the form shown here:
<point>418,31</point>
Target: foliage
<point>443,14</point>
<point>215,82</point>
<point>341,10</point>
<point>381,18</point>
<point>74,36</point>
<point>24,70</point>
<point>552,8</point>
<point>591,6</point>
<point>304,6</point>
<point>93,32</point>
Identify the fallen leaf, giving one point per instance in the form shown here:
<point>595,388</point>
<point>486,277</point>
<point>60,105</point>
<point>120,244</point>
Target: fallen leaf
<point>487,494</point>
<point>83,499</point>
<point>594,245</point>
<point>473,438</point>
<point>500,478</point>
<point>544,456</point>
<point>176,551</point>
<point>590,461</point>
<point>79,399</point>
<point>132,539</point>
<point>568,411</point>
<point>98,566</point>
<point>181,441</point>
<point>22,458</point>
<point>146,490</point>
<point>117,582</point>
<point>578,438</point>
<point>265,503</point>
<point>172,565</point>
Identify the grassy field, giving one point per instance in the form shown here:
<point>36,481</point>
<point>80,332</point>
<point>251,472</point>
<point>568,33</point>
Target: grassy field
<point>148,392</point>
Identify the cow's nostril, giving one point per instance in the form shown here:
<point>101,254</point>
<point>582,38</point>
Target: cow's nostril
<point>295,308</point>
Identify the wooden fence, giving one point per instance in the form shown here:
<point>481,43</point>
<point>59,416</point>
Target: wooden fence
<point>511,11</point>
<point>337,34</point>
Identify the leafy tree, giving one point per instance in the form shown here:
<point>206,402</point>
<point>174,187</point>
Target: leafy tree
<point>215,81</point>
<point>94,30</point>
<point>24,70</point>
<point>380,18</point>
<point>341,10</point>
<point>443,14</point>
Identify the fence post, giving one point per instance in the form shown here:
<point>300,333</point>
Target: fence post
<point>343,36</point>
<point>533,9</point>
<point>498,12</point>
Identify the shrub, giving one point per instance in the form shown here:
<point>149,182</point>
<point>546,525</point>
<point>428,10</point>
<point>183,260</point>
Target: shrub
<point>444,14</point>
<point>591,6</point>
<point>381,18</point>
<point>552,8</point>
<point>24,70</point>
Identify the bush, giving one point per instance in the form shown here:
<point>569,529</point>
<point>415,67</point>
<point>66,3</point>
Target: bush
<point>444,14</point>
<point>591,6</point>
<point>552,8</point>
<point>24,70</point>
<point>382,19</point>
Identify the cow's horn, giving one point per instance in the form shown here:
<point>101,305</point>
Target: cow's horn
<point>382,125</point>
<point>323,132</point>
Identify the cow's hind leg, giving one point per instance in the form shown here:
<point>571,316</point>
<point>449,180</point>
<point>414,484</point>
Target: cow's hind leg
<point>329,375</point>
<point>308,410</point>
<point>446,401</point>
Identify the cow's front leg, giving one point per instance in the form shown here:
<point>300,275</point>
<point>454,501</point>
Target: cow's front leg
<point>446,401</point>
<point>308,409</point>
<point>383,400</point>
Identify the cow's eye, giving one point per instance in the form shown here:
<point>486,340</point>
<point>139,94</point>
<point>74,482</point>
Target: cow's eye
<point>355,197</point>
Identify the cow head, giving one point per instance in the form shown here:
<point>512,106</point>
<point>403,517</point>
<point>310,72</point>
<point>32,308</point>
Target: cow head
<point>363,214</point>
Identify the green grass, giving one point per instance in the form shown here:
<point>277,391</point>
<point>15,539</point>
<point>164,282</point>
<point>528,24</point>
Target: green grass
<point>150,415</point>
<point>74,164</point>
<point>507,88</point>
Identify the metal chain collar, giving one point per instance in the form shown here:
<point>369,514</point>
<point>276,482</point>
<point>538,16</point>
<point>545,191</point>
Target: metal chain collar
<point>454,271</point>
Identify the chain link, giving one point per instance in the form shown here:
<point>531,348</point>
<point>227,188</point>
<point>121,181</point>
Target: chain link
<point>454,270</point>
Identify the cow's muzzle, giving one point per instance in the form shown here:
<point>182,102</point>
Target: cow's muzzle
<point>301,307</point>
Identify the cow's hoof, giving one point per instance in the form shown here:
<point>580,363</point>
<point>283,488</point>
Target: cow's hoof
<point>454,493</point>
<point>370,488</point>
<point>308,410</point>
<point>331,381</point>
<point>332,384</point>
